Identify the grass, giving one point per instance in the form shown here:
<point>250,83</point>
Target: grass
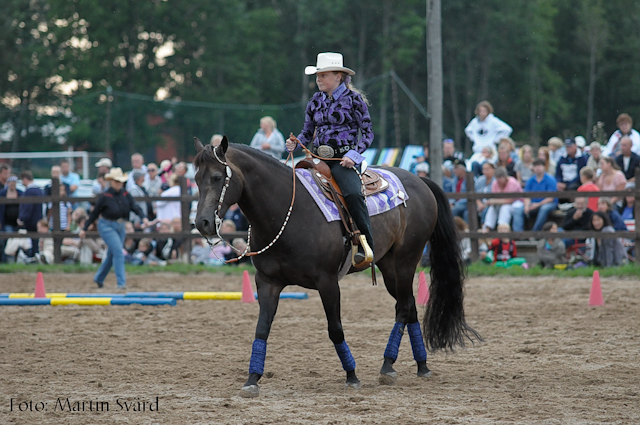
<point>475,270</point>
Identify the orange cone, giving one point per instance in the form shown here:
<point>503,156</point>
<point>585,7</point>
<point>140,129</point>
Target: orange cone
<point>247,290</point>
<point>39,291</point>
<point>595,298</point>
<point>423,289</point>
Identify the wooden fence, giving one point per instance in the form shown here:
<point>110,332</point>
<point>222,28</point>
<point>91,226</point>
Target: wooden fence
<point>470,195</point>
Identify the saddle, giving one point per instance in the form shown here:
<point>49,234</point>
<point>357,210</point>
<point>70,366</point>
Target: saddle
<point>373,182</point>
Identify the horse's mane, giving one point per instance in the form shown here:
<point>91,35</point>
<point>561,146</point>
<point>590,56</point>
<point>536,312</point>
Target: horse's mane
<point>206,155</point>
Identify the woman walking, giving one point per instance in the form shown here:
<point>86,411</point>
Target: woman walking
<point>113,207</point>
<point>333,118</point>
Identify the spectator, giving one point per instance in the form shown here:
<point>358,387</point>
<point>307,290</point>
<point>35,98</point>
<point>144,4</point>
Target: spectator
<point>505,161</point>
<point>503,210</point>
<point>611,179</point>
<point>235,214</point>
<point>221,249</point>
<point>167,210</point>
<point>540,208</point>
<point>628,161</point>
<point>569,166</point>
<point>556,149</point>
<point>89,248</point>
<point>100,184</point>
<point>488,154</point>
<point>606,206</point>
<point>268,139</point>
<point>524,167</point>
<point>166,247</point>
<point>551,251</point>
<point>627,208</point>
<point>465,243</point>
<point>458,185</point>
<point>216,139</point>
<point>65,210</point>
<point>595,153</point>
<point>5,173</point>
<point>68,177</point>
<point>549,164</point>
<point>239,245</point>
<point>144,255</point>
<point>577,218</point>
<point>421,158</point>
<point>505,252</point>
<point>511,147</point>
<point>30,214</point>
<point>9,213</point>
<point>138,191</point>
<point>486,129</point>
<point>137,165</point>
<point>166,170</point>
<point>130,243</point>
<point>422,169</point>
<point>625,124</point>
<point>588,185</point>
<point>69,249</point>
<point>56,173</point>
<point>152,186</point>
<point>449,155</point>
<point>483,185</point>
<point>605,252</point>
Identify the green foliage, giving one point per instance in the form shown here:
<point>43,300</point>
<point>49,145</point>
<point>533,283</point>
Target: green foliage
<point>530,59</point>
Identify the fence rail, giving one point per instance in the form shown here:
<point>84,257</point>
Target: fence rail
<point>474,233</point>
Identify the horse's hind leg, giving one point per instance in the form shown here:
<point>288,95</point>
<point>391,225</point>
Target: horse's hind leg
<point>399,282</point>
<point>330,295</point>
<point>268,295</point>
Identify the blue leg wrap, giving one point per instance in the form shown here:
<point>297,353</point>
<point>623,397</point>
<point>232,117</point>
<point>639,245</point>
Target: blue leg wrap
<point>258,353</point>
<point>417,343</point>
<point>348,363</point>
<point>394,341</point>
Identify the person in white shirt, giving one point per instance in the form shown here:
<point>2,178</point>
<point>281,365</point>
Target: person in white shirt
<point>137,166</point>
<point>625,124</point>
<point>168,210</point>
<point>486,129</point>
<point>268,139</point>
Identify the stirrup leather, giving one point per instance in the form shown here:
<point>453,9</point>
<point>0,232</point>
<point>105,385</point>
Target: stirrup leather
<point>368,253</point>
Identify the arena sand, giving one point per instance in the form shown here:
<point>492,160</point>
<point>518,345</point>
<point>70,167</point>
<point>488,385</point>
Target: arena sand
<point>548,358</point>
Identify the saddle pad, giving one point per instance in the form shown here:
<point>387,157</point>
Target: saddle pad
<point>376,204</point>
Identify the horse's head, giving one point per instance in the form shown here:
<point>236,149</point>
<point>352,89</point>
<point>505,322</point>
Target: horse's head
<point>219,188</point>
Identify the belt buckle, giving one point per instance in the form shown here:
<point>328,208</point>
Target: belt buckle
<point>325,151</point>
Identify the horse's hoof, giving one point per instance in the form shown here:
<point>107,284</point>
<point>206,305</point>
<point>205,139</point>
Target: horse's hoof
<point>356,385</point>
<point>423,374</point>
<point>388,378</point>
<point>249,391</point>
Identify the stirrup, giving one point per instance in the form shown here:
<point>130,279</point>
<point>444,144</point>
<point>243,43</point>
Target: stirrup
<point>368,254</point>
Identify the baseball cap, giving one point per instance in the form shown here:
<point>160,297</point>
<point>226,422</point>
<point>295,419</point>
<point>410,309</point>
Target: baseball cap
<point>104,162</point>
<point>12,179</point>
<point>570,141</point>
<point>581,142</point>
<point>422,167</point>
<point>457,162</point>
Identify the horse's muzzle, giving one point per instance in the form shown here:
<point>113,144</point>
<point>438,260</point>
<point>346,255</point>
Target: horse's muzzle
<point>206,227</point>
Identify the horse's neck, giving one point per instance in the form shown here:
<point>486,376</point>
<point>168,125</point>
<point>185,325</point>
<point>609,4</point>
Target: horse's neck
<point>267,189</point>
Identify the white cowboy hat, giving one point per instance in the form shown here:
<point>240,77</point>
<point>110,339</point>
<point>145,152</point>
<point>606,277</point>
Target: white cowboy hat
<point>328,62</point>
<point>117,175</point>
<point>104,162</point>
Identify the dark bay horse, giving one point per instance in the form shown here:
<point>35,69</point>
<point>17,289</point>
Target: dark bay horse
<point>310,250</point>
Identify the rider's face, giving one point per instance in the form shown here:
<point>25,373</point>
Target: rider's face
<point>328,81</point>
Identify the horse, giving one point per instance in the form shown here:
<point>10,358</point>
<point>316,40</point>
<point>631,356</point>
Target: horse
<point>309,252</point>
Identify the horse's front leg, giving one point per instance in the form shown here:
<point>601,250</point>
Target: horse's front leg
<point>268,297</point>
<point>330,295</point>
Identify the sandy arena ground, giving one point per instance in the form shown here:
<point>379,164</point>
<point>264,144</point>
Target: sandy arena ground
<point>548,357</point>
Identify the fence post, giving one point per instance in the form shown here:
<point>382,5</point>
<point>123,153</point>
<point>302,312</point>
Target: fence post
<point>55,214</point>
<point>185,206</point>
<point>473,215</point>
<point>636,215</point>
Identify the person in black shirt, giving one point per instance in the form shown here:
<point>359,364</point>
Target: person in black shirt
<point>113,207</point>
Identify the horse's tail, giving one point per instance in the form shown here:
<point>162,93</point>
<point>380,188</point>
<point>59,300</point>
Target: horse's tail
<point>443,323</point>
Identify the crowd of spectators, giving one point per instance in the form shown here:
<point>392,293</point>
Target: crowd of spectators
<point>143,180</point>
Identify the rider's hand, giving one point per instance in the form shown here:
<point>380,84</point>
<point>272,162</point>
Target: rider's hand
<point>291,144</point>
<point>347,162</point>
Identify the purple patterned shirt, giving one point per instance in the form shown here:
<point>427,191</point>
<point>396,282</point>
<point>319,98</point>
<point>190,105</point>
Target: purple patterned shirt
<point>336,122</point>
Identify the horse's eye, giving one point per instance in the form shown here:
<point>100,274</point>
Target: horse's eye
<point>216,177</point>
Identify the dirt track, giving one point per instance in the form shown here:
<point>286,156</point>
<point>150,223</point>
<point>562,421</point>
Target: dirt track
<point>548,357</point>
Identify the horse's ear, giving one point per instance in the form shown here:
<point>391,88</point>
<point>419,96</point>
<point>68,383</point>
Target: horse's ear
<point>224,144</point>
<point>198,144</point>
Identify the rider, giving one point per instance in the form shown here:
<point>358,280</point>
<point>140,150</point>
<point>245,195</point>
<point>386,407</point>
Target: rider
<point>334,115</point>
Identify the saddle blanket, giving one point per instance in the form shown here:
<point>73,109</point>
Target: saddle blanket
<point>376,204</point>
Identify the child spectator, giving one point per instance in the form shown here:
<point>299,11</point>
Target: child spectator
<point>551,251</point>
<point>65,210</point>
<point>240,245</point>
<point>505,253</point>
<point>200,251</point>
<point>465,243</point>
<point>605,252</point>
<point>144,255</point>
<point>524,167</point>
<point>587,176</point>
